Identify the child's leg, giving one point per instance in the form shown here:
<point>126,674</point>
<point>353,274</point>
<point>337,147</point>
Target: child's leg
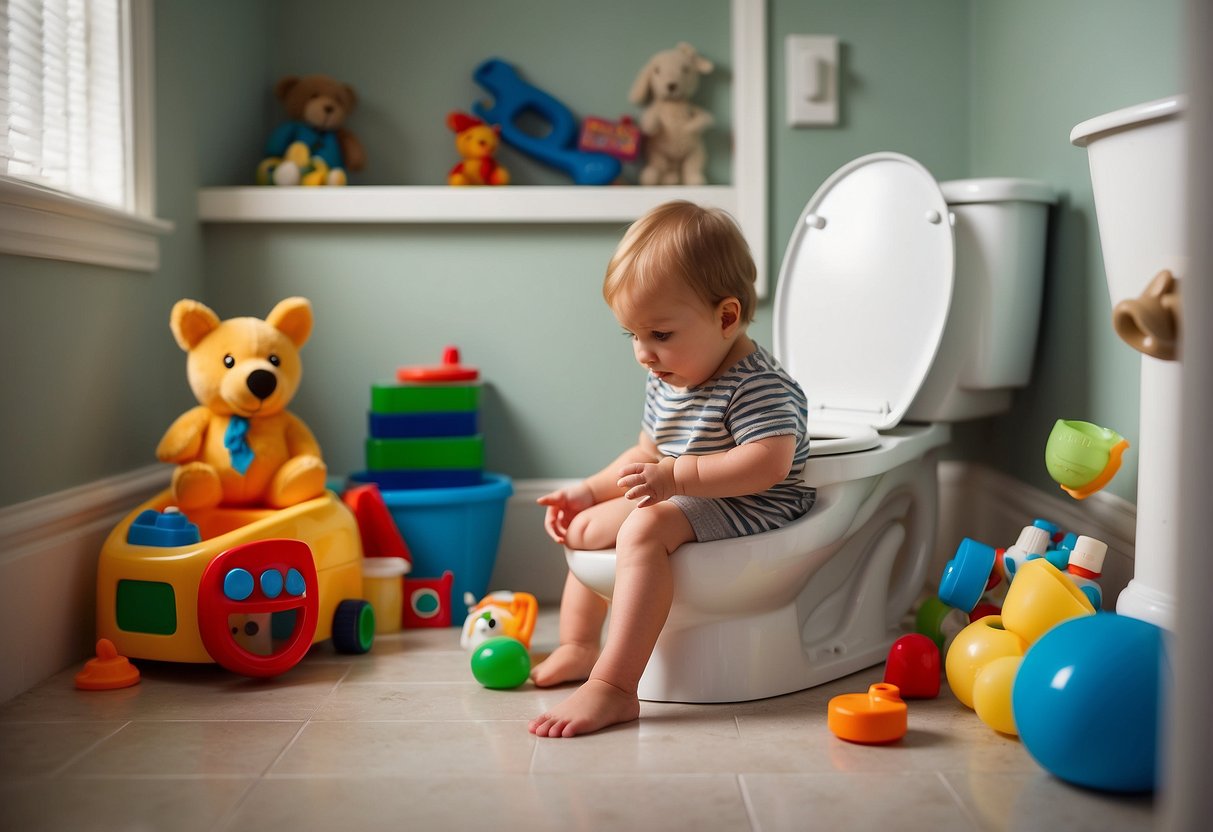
<point>582,610</point>
<point>643,591</point>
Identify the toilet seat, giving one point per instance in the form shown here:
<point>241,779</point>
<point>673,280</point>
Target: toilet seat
<point>830,438</point>
<point>864,293</point>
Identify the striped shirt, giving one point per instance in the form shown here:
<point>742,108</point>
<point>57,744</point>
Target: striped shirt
<point>753,399</point>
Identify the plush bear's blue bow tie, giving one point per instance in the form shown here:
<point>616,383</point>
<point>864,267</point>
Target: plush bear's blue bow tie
<point>235,439</point>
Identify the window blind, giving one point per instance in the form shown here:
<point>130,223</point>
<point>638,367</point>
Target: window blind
<point>62,90</point>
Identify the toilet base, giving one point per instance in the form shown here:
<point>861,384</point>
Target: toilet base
<point>742,659</point>
<point>839,624</point>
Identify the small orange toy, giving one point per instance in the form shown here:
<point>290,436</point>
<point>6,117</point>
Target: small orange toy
<point>872,718</point>
<point>108,671</point>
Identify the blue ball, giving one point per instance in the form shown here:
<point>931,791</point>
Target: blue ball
<point>1087,702</point>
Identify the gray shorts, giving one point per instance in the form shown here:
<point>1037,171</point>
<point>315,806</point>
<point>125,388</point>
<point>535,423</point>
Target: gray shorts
<point>720,518</point>
<point>706,518</point>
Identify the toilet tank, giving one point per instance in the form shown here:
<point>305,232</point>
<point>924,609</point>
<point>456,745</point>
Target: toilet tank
<point>989,339</point>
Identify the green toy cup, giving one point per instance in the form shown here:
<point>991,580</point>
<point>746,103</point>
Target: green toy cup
<point>1082,457</point>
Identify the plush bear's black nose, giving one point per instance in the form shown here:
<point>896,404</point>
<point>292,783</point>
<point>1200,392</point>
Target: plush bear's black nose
<point>262,383</point>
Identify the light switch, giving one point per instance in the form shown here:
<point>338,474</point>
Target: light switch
<point>812,80</point>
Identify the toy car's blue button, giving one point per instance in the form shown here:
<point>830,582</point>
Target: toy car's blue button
<point>238,584</point>
<point>295,584</point>
<point>271,583</point>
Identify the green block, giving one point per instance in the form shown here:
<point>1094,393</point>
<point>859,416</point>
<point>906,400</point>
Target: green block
<point>387,397</point>
<point>425,454</point>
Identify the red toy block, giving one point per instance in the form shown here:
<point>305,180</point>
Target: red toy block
<point>380,536</point>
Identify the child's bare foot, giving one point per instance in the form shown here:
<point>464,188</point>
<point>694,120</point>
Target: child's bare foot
<point>568,663</point>
<point>592,707</point>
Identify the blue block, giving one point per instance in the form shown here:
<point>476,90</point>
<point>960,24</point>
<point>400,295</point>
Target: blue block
<point>400,480</point>
<point>421,425</point>
<point>170,529</point>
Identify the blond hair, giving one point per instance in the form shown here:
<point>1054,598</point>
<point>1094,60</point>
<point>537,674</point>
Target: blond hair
<point>701,247</point>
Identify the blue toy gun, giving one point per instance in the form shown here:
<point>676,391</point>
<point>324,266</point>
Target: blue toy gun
<point>512,97</point>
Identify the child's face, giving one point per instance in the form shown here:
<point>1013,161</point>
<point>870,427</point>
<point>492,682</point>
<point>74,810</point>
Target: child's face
<point>675,335</point>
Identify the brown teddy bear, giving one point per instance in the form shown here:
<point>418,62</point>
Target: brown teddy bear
<point>240,446</point>
<point>673,127</point>
<point>314,147</point>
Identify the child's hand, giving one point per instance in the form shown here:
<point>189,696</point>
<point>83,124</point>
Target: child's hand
<point>648,483</point>
<point>563,506</point>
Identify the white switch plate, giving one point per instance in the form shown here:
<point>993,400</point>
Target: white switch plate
<point>812,80</point>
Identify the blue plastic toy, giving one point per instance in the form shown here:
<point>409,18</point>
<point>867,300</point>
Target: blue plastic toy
<point>966,575</point>
<point>558,148</point>
<point>166,529</point>
<point>1087,698</point>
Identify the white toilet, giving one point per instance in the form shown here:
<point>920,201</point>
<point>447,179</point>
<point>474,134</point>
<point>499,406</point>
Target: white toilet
<point>899,299</point>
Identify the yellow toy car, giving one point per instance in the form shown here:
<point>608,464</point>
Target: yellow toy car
<point>249,588</point>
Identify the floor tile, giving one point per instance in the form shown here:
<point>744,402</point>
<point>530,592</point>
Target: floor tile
<point>169,691</point>
<point>210,747</point>
<point>1037,800</point>
<point>105,804</point>
<point>853,801</point>
<point>437,702</point>
<point>408,748</point>
<point>30,749</point>
<point>489,800</point>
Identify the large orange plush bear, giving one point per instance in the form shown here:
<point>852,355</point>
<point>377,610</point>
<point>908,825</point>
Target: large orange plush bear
<point>240,446</point>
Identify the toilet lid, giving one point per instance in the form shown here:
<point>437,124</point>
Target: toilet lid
<point>864,290</point>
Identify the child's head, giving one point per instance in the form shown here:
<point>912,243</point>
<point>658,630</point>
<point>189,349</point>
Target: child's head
<point>680,243</point>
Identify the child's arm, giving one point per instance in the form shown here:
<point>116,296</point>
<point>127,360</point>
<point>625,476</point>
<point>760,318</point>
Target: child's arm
<point>747,469</point>
<point>605,484</point>
<point>567,503</point>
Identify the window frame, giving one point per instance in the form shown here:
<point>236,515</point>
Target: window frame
<point>37,221</point>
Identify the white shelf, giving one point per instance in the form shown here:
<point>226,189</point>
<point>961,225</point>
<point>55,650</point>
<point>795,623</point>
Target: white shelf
<point>746,200</point>
<point>440,204</point>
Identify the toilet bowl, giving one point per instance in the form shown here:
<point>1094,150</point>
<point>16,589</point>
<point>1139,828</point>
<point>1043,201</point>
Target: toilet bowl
<point>878,324</point>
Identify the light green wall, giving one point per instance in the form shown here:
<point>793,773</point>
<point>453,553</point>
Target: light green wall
<point>1040,67</point>
<point>412,63</point>
<point>91,376</point>
<point>969,87</point>
<point>523,302</point>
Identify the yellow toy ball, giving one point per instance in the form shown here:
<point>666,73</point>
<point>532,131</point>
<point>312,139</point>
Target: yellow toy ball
<point>992,693</point>
<point>973,648</point>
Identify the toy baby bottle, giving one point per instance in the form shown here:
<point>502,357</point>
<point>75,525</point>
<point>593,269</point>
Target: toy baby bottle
<point>1086,565</point>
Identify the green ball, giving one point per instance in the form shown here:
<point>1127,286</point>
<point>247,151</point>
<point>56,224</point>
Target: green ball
<point>501,663</point>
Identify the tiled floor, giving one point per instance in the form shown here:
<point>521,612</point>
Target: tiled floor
<point>404,738</point>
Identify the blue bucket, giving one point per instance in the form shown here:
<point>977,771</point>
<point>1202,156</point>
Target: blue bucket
<point>453,528</point>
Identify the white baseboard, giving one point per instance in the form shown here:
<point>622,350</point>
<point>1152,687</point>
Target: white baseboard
<point>48,573</point>
<point>49,547</point>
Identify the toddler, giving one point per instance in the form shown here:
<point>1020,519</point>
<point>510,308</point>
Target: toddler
<point>720,453</point>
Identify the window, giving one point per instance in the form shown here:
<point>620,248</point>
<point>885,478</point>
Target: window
<point>75,148</point>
